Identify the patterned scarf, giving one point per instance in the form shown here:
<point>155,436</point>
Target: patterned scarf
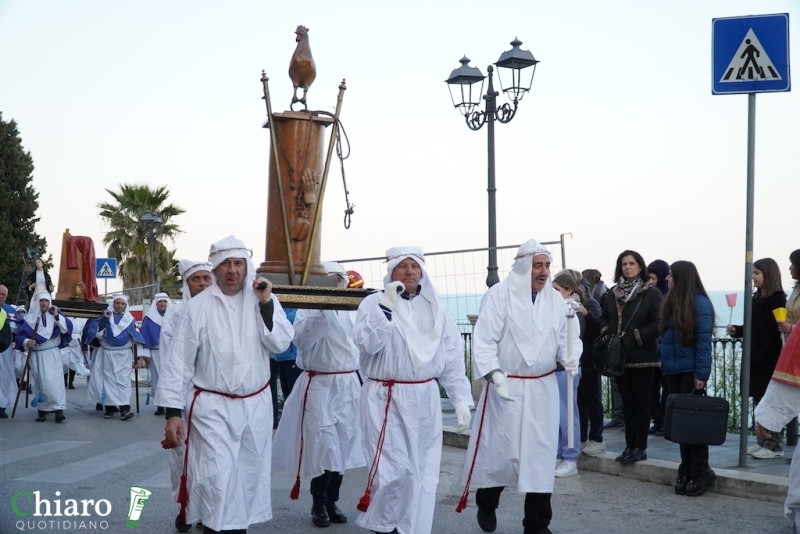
<point>625,290</point>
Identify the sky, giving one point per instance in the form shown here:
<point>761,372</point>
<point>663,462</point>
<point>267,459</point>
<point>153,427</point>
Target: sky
<point>620,142</point>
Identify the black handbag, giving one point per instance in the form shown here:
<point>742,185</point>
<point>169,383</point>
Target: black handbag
<point>608,352</point>
<point>696,419</point>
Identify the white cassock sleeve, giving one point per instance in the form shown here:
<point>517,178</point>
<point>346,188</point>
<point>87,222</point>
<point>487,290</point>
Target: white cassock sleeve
<point>372,329</point>
<point>177,365</point>
<point>486,335</point>
<point>567,360</point>
<point>279,339</point>
<point>310,326</point>
<point>454,376</point>
<point>780,404</point>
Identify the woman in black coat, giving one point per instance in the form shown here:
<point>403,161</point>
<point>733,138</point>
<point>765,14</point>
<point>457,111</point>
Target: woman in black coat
<point>766,341</point>
<point>634,308</point>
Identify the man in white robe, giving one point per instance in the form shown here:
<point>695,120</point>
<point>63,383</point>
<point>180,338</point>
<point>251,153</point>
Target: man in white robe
<point>408,341</point>
<point>43,333</point>
<point>520,334</point>
<point>110,385</point>
<point>8,376</point>
<point>781,403</point>
<point>151,332</point>
<point>196,276</point>
<point>319,434</point>
<point>224,341</point>
<point>73,358</point>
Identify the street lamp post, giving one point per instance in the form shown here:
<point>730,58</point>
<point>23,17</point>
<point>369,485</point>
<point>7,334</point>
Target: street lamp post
<point>465,100</point>
<point>151,222</point>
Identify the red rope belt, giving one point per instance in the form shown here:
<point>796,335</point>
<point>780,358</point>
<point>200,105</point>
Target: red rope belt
<point>295,493</point>
<point>462,503</point>
<point>183,493</point>
<point>363,503</point>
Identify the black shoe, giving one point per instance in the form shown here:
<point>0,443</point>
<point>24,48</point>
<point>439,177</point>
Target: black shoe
<point>625,453</point>
<point>98,407</point>
<point>659,432</point>
<point>654,429</point>
<point>537,530</point>
<point>181,527</point>
<point>680,485</point>
<point>70,386</point>
<point>159,411</point>
<point>319,516</point>
<point>613,424</point>
<point>334,514</point>
<point>3,414</point>
<point>487,519</point>
<point>59,416</point>
<point>107,415</point>
<point>40,419</point>
<point>636,455</point>
<point>698,485</point>
<point>124,415</point>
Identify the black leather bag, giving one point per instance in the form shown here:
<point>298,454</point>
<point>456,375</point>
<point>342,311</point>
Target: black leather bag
<point>696,419</point>
<point>608,352</point>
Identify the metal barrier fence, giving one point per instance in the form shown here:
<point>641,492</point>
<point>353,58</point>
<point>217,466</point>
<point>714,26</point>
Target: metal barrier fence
<point>459,276</point>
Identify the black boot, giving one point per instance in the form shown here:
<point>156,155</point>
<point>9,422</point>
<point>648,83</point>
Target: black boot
<point>41,417</point>
<point>319,514</point>
<point>60,416</point>
<point>3,414</point>
<point>335,514</point>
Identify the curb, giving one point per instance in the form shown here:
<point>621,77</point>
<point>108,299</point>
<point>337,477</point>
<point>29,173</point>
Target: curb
<point>729,482</point>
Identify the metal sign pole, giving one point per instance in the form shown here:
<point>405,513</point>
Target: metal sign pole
<point>748,278</point>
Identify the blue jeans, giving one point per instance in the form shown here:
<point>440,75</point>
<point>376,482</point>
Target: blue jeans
<point>564,452</point>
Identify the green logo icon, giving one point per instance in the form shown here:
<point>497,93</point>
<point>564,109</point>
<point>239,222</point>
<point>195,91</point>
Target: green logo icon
<point>139,497</point>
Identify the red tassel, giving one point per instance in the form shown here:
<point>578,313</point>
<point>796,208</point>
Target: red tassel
<point>462,503</point>
<point>167,444</point>
<point>183,494</point>
<point>295,494</point>
<point>363,503</point>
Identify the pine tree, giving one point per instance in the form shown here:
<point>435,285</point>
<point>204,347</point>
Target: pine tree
<point>18,204</point>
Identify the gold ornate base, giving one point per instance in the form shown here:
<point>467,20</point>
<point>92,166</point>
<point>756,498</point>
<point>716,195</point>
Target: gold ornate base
<point>87,310</point>
<point>320,298</point>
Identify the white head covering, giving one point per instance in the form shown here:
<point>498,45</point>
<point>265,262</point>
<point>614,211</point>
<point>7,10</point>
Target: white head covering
<point>335,269</point>
<point>187,268</point>
<point>530,323</point>
<point>422,345</point>
<point>127,318</point>
<point>35,313</point>
<point>233,350</point>
<point>152,313</point>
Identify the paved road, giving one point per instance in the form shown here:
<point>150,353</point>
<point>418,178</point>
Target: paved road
<point>88,457</point>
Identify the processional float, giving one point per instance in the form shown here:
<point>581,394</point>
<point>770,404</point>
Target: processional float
<point>298,176</point>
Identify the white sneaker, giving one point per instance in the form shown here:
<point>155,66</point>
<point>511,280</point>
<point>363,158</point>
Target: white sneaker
<point>584,444</point>
<point>594,449</point>
<point>753,448</point>
<point>559,461</point>
<point>567,468</point>
<point>766,454</point>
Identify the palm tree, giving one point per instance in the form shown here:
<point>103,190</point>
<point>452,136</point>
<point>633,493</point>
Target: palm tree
<point>127,238</point>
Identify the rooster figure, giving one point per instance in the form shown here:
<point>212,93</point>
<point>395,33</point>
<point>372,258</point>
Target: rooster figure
<point>302,69</point>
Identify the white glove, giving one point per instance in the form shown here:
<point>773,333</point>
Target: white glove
<point>464,417</point>
<point>572,368</point>
<point>390,293</point>
<point>501,386</point>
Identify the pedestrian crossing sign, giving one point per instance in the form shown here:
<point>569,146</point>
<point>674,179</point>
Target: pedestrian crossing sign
<point>750,54</point>
<point>106,268</point>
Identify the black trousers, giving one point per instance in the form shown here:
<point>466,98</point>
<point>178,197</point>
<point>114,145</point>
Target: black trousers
<point>590,405</point>
<point>634,387</point>
<point>694,458</point>
<point>325,488</point>
<point>658,397</point>
<point>538,512</point>
<point>288,373</point>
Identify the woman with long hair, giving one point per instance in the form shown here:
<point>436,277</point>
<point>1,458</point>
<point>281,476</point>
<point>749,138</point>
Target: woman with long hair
<point>633,310</point>
<point>686,326</point>
<point>766,342</point>
<point>793,303</point>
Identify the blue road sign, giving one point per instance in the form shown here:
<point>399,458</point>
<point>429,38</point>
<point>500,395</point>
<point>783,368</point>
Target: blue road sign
<point>750,54</point>
<point>106,268</point>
